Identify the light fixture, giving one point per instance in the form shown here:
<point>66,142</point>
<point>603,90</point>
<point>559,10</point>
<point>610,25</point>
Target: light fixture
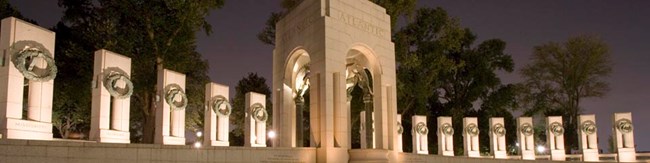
<point>197,144</point>
<point>199,134</point>
<point>271,134</point>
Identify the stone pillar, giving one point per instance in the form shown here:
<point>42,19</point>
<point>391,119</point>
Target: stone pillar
<point>555,138</point>
<point>19,38</point>
<point>525,137</point>
<point>623,132</point>
<point>498,138</point>
<point>470,137</point>
<point>363,132</point>
<point>110,109</point>
<point>217,114</point>
<point>256,116</point>
<point>445,136</point>
<point>399,131</point>
<point>170,108</point>
<point>419,132</point>
<point>588,136</point>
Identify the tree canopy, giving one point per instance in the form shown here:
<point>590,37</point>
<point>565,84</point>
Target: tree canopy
<point>561,75</point>
<point>251,83</point>
<point>161,35</point>
<point>442,73</point>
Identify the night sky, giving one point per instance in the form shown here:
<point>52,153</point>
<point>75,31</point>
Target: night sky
<point>233,49</point>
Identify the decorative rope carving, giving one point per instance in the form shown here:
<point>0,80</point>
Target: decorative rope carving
<point>173,91</point>
<point>556,129</point>
<point>400,128</point>
<point>588,127</point>
<point>624,125</point>
<point>422,128</point>
<point>447,129</point>
<point>259,112</point>
<point>499,130</point>
<point>527,129</point>
<point>29,54</point>
<point>472,129</point>
<point>110,84</point>
<point>217,102</point>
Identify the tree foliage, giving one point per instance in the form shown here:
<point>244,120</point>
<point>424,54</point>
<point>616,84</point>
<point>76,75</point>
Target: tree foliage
<point>441,73</point>
<point>561,75</point>
<point>394,8</point>
<point>160,35</point>
<point>250,83</point>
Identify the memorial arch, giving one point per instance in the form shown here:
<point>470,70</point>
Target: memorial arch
<point>323,47</point>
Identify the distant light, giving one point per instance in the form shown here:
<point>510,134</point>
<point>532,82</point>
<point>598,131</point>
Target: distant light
<point>541,149</point>
<point>199,134</point>
<point>197,144</point>
<point>517,144</point>
<point>271,134</point>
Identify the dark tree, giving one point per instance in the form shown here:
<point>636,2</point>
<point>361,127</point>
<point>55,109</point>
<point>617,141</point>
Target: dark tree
<point>250,83</point>
<point>160,35</point>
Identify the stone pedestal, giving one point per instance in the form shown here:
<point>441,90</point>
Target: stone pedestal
<point>623,132</point>
<point>170,120</point>
<point>399,131</point>
<point>18,38</point>
<point>362,131</point>
<point>217,115</point>
<point>498,138</point>
<point>445,136</point>
<point>471,137</point>
<point>555,137</point>
<point>420,132</point>
<point>110,113</point>
<point>588,136</point>
<point>256,116</point>
<point>525,135</point>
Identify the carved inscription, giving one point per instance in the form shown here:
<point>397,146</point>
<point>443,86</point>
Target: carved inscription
<point>283,158</point>
<point>28,125</point>
<point>299,27</point>
<point>361,24</point>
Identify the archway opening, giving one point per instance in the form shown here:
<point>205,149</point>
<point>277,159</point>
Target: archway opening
<point>297,79</point>
<point>360,99</point>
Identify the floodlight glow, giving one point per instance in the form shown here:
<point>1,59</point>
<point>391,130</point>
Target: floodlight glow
<point>541,149</point>
<point>197,144</point>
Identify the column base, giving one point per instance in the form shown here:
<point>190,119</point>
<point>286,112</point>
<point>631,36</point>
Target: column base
<point>473,154</point>
<point>590,155</point>
<point>626,154</point>
<point>446,153</point>
<point>500,155</point>
<point>26,129</point>
<point>528,155</point>
<point>219,143</point>
<point>172,140</point>
<point>113,136</point>
<point>558,155</point>
<point>255,145</point>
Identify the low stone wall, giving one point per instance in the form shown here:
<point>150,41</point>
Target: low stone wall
<point>28,151</point>
<point>417,158</point>
<point>65,151</point>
